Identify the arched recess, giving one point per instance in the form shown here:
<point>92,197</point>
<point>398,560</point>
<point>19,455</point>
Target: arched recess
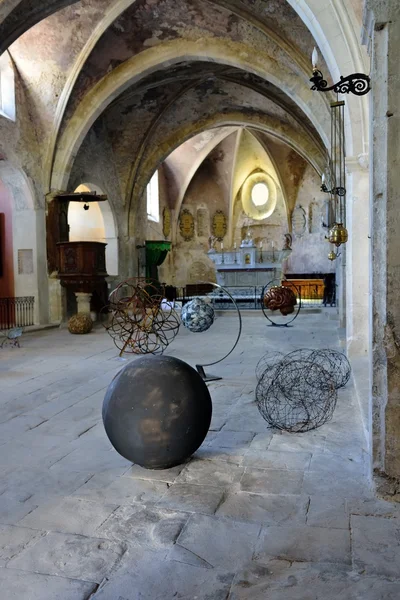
<point>181,153</point>
<point>167,54</point>
<point>29,240</point>
<point>96,224</point>
<point>269,125</point>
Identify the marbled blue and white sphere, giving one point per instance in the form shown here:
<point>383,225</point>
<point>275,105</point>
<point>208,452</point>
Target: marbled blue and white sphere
<point>197,315</point>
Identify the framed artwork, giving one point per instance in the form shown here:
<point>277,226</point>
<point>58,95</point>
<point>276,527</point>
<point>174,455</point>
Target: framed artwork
<point>186,225</point>
<point>219,225</point>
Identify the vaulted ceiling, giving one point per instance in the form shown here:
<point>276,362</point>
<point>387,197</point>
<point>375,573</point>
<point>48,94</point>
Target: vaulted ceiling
<point>123,83</point>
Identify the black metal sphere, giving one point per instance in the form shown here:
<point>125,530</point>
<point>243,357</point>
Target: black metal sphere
<point>157,411</point>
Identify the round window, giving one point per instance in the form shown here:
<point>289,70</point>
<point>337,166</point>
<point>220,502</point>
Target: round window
<point>259,194</point>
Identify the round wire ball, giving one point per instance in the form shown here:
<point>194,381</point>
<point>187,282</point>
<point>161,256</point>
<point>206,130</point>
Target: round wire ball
<point>270,359</point>
<point>296,396</point>
<point>141,320</point>
<point>336,363</point>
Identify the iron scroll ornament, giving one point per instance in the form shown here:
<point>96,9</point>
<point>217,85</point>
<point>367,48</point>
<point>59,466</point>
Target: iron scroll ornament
<point>356,83</point>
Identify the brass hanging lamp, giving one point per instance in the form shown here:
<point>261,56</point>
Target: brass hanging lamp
<point>334,181</point>
<point>332,255</point>
<point>338,235</point>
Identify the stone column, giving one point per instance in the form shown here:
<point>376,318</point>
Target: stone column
<point>358,257</point>
<point>341,285</point>
<point>83,301</point>
<point>382,33</point>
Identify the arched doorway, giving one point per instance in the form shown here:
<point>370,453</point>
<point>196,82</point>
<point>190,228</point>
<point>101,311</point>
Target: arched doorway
<point>96,224</point>
<point>23,276</point>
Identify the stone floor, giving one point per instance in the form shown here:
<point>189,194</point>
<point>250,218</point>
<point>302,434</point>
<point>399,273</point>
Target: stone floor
<point>254,515</point>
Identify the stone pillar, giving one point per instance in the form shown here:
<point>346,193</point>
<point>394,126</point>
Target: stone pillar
<point>382,33</point>
<point>341,285</point>
<point>358,257</point>
<point>83,301</point>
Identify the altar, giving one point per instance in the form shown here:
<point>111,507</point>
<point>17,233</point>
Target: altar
<point>246,266</point>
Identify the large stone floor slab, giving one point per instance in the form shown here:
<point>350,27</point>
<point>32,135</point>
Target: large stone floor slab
<point>376,545</point>
<point>73,556</point>
<point>32,586</point>
<point>256,514</point>
<point>303,543</point>
<point>280,580</point>
<point>148,576</point>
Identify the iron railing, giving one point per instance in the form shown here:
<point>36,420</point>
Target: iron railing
<point>17,312</point>
<point>248,297</point>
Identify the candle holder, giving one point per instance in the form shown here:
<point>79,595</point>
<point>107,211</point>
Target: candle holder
<point>235,257</point>
<point>261,256</point>
<point>223,258</point>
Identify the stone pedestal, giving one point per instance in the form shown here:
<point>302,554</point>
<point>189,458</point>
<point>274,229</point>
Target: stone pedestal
<point>83,302</point>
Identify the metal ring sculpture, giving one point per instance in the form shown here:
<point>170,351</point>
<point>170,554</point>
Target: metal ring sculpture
<point>200,368</point>
<point>286,299</point>
<point>296,396</point>
<point>140,321</point>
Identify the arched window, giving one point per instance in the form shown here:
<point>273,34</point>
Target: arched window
<point>153,201</point>
<point>7,87</point>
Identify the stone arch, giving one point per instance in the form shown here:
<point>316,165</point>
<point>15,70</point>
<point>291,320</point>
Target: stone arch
<point>29,235</point>
<point>167,54</point>
<point>109,17</point>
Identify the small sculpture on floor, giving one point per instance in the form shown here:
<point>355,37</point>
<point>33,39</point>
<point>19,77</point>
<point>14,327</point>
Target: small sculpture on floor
<point>280,298</point>
<point>157,411</point>
<point>296,396</point>
<point>141,320</point>
<point>80,323</point>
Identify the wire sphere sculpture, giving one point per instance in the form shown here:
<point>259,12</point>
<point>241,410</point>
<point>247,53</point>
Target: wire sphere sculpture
<point>267,362</point>
<point>297,396</point>
<point>280,302</point>
<point>333,361</point>
<point>336,363</point>
<point>141,320</point>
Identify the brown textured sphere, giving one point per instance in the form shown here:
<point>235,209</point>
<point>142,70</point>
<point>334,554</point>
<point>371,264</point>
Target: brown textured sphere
<point>80,324</point>
<point>280,298</point>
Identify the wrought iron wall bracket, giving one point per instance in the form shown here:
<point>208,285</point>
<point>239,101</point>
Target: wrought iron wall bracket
<point>356,83</point>
<point>338,191</point>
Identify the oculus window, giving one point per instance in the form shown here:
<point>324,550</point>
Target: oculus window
<point>259,194</point>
